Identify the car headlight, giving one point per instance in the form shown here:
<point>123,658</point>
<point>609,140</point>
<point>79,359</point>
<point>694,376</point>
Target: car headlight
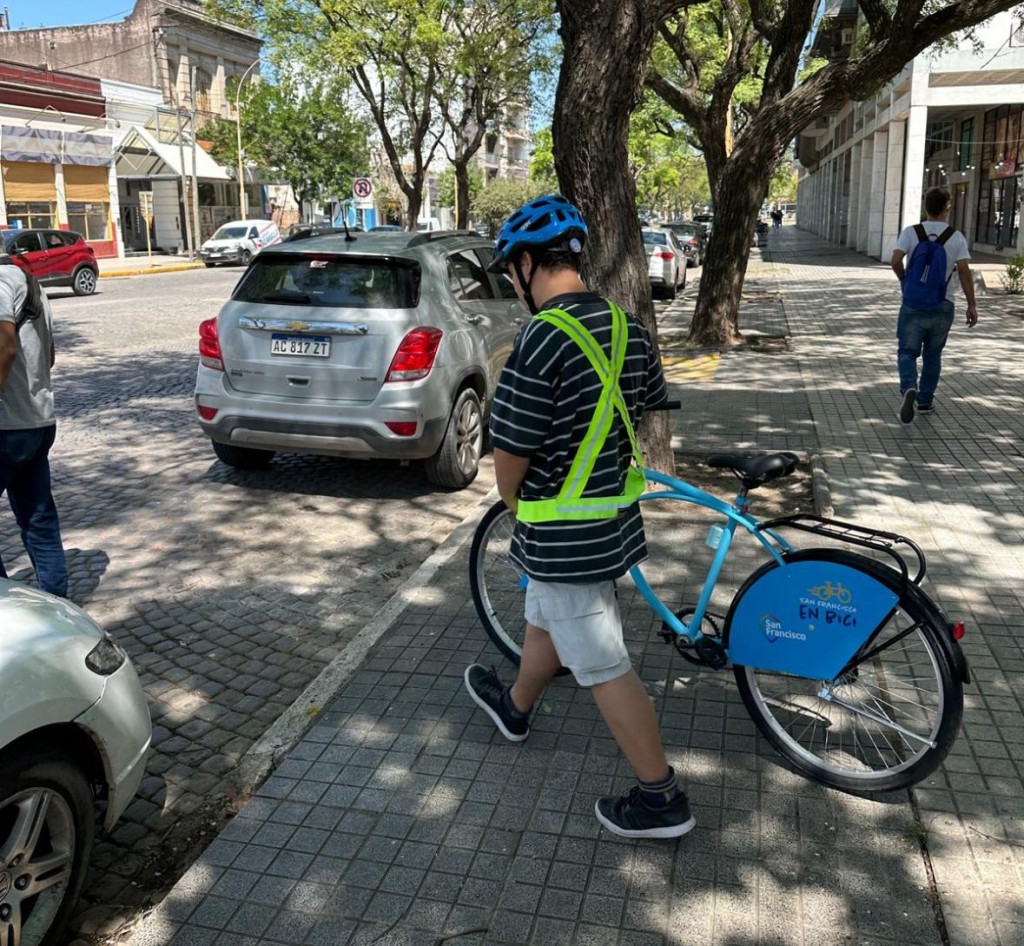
<point>106,657</point>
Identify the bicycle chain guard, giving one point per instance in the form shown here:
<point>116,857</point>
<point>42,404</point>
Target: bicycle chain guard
<point>708,651</point>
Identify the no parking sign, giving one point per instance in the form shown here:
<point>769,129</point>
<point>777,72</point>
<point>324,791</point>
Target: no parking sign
<point>362,190</point>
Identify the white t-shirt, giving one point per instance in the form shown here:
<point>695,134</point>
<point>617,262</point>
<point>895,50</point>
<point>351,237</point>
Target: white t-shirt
<point>956,250</point>
<point>26,400</point>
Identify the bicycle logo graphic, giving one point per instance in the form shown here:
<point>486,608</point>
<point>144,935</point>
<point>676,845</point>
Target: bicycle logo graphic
<point>830,592</point>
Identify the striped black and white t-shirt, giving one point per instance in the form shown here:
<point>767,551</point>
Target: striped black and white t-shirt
<point>545,400</point>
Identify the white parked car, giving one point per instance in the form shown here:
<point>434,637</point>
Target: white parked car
<point>666,261</point>
<point>74,735</point>
<point>239,241</point>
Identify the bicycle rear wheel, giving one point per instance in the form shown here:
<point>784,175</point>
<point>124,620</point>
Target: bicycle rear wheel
<point>498,585</point>
<point>882,726</point>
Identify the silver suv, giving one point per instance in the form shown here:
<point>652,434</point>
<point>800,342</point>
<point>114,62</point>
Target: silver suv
<point>372,345</point>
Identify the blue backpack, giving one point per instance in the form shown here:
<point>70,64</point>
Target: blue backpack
<point>925,281</point>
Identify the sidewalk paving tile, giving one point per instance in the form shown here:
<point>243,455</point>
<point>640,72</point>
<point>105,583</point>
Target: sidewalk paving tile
<point>402,817</point>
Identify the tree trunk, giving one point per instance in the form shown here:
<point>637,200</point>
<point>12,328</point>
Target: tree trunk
<point>741,191</point>
<point>462,195</point>
<point>598,87</point>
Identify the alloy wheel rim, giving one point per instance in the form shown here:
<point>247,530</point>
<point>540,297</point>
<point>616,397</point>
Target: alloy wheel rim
<point>37,850</point>
<point>469,437</point>
<point>86,280</point>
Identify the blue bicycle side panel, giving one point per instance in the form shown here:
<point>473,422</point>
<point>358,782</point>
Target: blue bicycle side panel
<point>807,618</point>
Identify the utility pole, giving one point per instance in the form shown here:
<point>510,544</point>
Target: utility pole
<point>195,169</point>
<point>184,188</point>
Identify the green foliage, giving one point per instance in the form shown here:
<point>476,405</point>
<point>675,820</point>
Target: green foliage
<point>499,198</point>
<point>670,177</point>
<point>306,131</point>
<point>1013,278</point>
<point>542,159</point>
<point>783,183</point>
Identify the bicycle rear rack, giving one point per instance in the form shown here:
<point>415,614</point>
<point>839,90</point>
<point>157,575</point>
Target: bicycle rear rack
<point>875,539</point>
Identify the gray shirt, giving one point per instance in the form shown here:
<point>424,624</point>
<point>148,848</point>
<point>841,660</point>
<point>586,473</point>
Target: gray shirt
<point>26,400</point>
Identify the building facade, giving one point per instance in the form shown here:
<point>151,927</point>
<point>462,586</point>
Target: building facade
<point>953,119</point>
<point>57,156</point>
<point>160,74</point>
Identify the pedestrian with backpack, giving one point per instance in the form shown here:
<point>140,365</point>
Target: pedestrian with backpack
<point>28,422</point>
<point>933,250</point>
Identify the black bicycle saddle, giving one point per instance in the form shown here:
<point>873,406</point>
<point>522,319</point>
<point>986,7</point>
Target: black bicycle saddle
<point>755,471</point>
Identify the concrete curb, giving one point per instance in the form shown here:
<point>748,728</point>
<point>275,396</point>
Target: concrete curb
<point>820,489</point>
<point>177,268</point>
<point>265,754</point>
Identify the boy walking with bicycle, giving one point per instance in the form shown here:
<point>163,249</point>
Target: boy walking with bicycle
<point>569,399</point>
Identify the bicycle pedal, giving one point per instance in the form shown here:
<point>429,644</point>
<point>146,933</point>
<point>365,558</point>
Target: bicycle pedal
<point>712,653</point>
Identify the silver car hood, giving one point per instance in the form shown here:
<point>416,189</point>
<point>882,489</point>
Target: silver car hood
<point>43,645</point>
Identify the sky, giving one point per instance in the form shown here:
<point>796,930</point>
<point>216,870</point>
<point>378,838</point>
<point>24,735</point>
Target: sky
<point>28,14</point>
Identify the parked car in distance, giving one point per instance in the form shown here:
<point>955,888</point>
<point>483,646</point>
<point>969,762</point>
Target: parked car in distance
<point>707,219</point>
<point>666,262</point>
<point>385,346</point>
<point>239,241</point>
<point>55,257</point>
<point>74,736</point>
<point>692,237</point>
<point>429,224</point>
<point>386,228</point>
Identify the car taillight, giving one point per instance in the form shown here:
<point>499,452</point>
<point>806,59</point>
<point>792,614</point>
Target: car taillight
<point>206,413</point>
<point>404,428</point>
<point>415,356</point>
<point>692,241</point>
<point>209,345</point>
<point>665,254</point>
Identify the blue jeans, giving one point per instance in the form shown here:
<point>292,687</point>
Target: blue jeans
<point>25,475</point>
<point>922,333</point>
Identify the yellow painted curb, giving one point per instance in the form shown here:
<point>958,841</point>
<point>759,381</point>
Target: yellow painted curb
<point>181,267</point>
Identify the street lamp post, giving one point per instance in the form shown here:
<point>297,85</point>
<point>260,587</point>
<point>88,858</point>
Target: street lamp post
<point>238,128</point>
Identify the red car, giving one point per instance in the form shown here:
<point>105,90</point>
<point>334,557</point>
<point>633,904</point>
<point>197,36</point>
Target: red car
<point>54,257</point>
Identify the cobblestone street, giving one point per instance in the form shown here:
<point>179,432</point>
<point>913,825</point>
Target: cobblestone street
<point>230,590</point>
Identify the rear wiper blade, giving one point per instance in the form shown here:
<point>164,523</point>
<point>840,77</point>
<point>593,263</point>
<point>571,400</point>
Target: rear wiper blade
<point>287,295</point>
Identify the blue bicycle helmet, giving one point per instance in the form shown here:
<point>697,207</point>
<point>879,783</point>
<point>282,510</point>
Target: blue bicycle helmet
<point>544,222</point>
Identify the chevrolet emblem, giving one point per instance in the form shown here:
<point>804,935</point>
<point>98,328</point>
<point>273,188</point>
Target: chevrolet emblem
<point>299,326</point>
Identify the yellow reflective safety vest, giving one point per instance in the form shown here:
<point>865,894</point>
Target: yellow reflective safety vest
<point>570,504</point>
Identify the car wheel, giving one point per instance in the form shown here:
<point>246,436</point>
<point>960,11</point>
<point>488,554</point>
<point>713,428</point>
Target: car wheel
<point>456,463</point>
<point>246,257</point>
<point>242,458</point>
<point>47,826</point>
<point>670,287</point>
<point>683,286</point>
<point>84,281</point>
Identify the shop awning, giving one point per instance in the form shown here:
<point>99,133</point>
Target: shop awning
<point>141,156</point>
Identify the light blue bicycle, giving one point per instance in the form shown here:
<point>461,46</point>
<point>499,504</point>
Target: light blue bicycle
<point>844,663</point>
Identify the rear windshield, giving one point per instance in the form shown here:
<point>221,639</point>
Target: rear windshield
<point>690,228</point>
<point>658,239</point>
<point>230,233</point>
<point>330,281</point>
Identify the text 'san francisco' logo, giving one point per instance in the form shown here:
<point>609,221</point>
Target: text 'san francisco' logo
<point>773,630</point>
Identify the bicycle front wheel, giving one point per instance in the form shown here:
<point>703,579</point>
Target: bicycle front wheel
<point>498,586</point>
<point>884,725</point>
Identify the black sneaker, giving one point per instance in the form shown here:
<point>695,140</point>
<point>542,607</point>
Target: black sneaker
<point>630,817</point>
<point>906,414</point>
<point>488,693</point>
<point>925,408</point>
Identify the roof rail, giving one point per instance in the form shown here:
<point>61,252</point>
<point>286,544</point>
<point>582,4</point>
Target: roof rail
<point>426,236</point>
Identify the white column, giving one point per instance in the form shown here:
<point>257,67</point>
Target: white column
<point>62,202</point>
<point>878,169</point>
<point>115,208</point>
<point>853,206</point>
<point>913,174</point>
<point>893,187</point>
<point>864,212</point>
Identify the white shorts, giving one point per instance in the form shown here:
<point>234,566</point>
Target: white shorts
<point>585,627</point>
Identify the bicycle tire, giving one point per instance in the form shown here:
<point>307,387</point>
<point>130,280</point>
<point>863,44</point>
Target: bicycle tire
<point>497,583</point>
<point>911,682</point>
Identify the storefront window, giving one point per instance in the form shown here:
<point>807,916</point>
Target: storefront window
<point>89,219</point>
<point>966,135</point>
<point>32,214</point>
